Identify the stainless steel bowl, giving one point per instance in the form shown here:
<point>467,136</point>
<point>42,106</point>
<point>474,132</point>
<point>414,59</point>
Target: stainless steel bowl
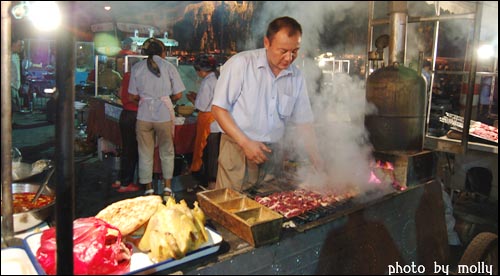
<point>24,171</point>
<point>26,220</point>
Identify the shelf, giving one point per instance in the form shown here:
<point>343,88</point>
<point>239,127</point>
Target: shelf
<point>446,144</point>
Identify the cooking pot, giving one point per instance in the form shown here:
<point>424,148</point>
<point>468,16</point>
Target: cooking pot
<point>24,171</point>
<point>26,220</point>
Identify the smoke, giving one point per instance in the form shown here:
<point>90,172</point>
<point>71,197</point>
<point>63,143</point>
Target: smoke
<point>338,100</point>
<point>343,141</point>
<point>315,17</point>
<point>489,23</point>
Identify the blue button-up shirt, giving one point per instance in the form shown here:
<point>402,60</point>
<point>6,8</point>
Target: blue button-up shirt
<point>260,103</point>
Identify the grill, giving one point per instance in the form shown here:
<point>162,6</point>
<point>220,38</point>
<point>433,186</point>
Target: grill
<point>307,219</point>
<point>321,212</point>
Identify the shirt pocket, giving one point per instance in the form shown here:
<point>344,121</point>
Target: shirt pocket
<point>285,105</point>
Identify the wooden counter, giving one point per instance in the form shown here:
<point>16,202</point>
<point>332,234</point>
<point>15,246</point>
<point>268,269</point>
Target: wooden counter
<point>100,125</point>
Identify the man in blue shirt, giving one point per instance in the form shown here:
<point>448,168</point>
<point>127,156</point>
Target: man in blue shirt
<point>258,93</point>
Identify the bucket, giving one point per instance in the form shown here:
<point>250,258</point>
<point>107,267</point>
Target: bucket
<point>111,160</point>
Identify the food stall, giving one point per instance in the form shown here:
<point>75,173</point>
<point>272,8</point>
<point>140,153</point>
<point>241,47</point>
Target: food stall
<point>362,235</point>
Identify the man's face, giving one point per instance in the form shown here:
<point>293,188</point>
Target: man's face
<point>282,50</point>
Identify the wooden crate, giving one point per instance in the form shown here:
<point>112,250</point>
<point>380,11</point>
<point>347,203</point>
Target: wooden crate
<point>246,218</point>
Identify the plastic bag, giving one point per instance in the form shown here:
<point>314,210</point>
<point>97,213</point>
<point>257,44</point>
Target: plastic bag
<point>97,249</point>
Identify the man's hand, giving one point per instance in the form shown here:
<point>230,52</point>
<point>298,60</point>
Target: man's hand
<point>256,151</point>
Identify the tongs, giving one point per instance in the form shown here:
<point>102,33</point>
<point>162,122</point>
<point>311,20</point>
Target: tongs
<point>50,170</point>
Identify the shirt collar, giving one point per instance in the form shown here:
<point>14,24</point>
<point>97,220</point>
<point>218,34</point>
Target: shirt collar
<point>262,58</point>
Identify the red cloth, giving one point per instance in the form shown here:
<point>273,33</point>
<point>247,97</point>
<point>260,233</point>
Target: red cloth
<point>185,136</point>
<point>91,76</point>
<point>127,104</point>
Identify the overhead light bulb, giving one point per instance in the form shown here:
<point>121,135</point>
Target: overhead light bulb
<point>45,15</point>
<point>108,8</point>
<point>20,10</point>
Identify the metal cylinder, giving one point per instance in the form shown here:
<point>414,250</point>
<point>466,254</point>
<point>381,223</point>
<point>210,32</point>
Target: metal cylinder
<point>398,19</point>
<point>398,93</point>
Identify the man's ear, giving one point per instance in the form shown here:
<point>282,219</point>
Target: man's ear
<point>267,43</point>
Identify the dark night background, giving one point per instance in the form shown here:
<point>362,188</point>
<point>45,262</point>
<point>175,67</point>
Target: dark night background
<point>233,26</point>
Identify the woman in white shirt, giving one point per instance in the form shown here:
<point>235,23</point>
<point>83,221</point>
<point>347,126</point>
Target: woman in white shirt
<point>206,147</point>
<point>154,84</point>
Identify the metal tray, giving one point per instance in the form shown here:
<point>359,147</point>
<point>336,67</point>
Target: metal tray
<point>15,261</point>
<point>140,263</point>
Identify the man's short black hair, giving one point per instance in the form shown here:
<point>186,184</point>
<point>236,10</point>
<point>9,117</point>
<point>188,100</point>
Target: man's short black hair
<point>281,23</point>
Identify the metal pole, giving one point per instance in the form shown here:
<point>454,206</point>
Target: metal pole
<point>370,38</point>
<point>7,207</point>
<point>472,76</point>
<point>492,87</point>
<point>96,73</point>
<point>65,192</point>
<point>437,10</point>
<point>398,20</point>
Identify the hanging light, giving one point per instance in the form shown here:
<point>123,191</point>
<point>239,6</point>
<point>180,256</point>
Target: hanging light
<point>20,10</point>
<point>45,15</point>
